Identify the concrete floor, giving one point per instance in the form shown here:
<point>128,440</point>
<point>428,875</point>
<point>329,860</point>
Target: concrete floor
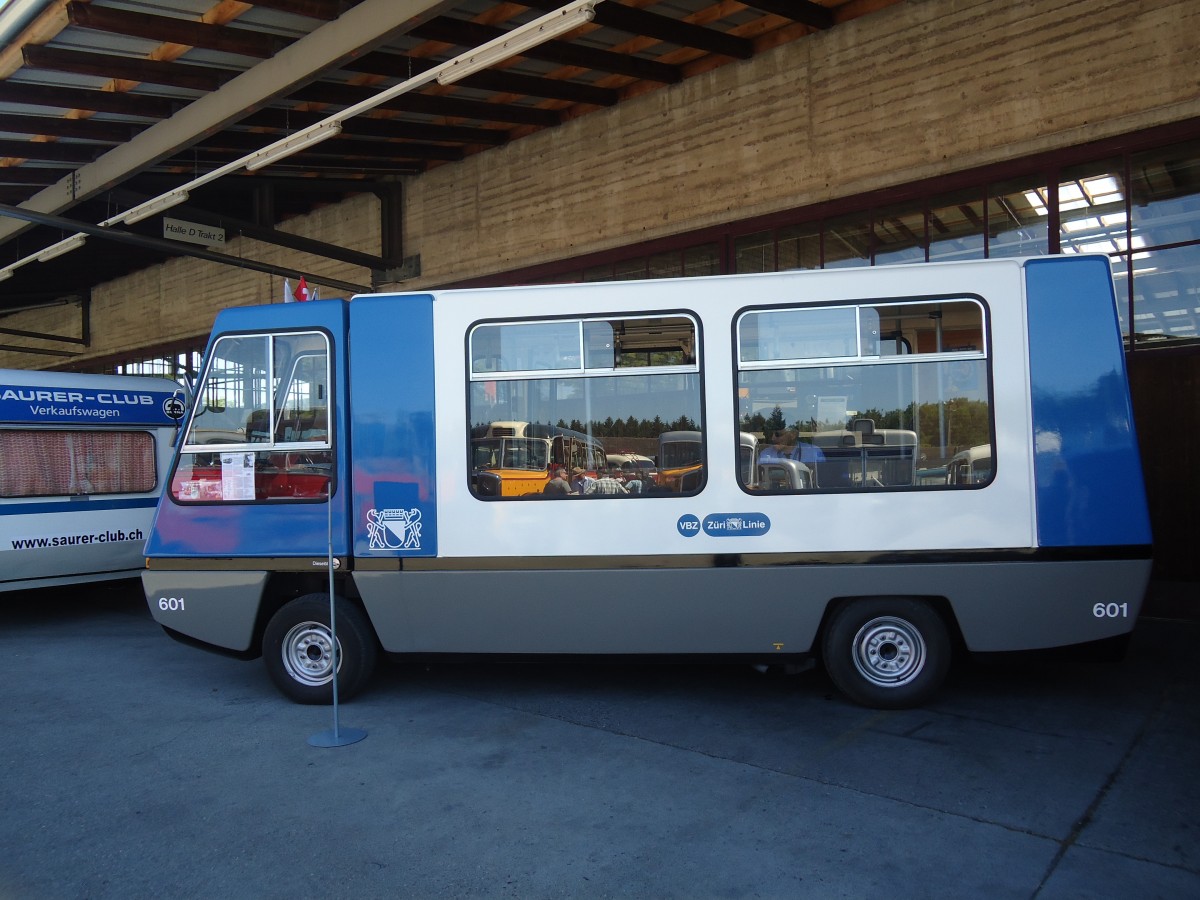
<point>136,767</point>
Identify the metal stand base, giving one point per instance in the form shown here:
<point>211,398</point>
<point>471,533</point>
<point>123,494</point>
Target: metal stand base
<point>339,737</point>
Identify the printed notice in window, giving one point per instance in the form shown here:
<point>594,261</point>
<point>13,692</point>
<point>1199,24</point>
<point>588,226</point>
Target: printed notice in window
<point>237,476</point>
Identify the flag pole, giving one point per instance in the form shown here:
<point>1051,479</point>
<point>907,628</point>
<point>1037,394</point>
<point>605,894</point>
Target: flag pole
<point>337,736</point>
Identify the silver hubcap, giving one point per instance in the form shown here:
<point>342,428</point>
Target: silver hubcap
<point>308,653</point>
<point>889,652</point>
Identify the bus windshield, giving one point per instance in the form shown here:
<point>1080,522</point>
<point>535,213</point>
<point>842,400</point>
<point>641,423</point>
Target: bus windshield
<point>511,453</point>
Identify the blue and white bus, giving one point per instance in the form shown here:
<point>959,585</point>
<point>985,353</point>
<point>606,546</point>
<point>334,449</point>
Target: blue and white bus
<point>340,434</point>
<point>83,459</point>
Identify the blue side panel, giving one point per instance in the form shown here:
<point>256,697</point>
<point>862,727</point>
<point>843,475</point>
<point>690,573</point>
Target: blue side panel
<point>265,528</point>
<point>1089,484</point>
<point>392,425</point>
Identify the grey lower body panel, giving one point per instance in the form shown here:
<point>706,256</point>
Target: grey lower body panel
<point>592,612</point>
<point>755,610</point>
<point>216,607</point>
<point>1037,605</point>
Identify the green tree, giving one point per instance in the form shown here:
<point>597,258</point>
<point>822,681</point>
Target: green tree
<point>775,423</point>
<point>754,423</point>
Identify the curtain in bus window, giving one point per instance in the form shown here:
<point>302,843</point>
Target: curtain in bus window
<point>72,463</point>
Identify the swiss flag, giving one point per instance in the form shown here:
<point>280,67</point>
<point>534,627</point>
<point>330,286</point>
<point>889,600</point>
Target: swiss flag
<point>302,290</point>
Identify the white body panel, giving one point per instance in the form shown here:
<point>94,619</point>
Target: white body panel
<point>75,542</point>
<point>1000,516</point>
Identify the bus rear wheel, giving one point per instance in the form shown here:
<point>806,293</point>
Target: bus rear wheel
<point>887,652</point>
<point>298,649</point>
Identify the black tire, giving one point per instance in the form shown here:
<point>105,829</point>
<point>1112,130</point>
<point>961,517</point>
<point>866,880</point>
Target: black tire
<point>297,649</point>
<point>887,652</point>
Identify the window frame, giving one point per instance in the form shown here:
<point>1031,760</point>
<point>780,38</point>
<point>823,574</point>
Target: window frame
<point>282,389</point>
<point>863,359</point>
<point>693,367</point>
<point>282,478</point>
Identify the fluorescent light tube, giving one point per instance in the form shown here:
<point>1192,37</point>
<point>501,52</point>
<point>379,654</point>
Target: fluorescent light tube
<point>64,246</point>
<point>155,206</point>
<point>301,140</point>
<point>519,40</point>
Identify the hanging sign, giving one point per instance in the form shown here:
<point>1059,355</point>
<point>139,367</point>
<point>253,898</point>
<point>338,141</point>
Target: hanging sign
<point>193,232</point>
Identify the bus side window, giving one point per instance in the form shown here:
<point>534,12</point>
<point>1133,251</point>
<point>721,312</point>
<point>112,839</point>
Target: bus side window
<point>886,394</point>
<point>575,390</point>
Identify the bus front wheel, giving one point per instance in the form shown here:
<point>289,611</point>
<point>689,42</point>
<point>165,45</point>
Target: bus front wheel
<point>887,653</point>
<point>298,649</point>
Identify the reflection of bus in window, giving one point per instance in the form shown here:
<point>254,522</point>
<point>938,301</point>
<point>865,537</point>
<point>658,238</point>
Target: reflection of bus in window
<point>772,466</point>
<point>512,459</point>
<point>680,461</point>
<point>970,466</point>
<point>863,456</point>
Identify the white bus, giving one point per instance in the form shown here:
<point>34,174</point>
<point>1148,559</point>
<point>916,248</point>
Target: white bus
<point>83,460</point>
<point>845,549</point>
